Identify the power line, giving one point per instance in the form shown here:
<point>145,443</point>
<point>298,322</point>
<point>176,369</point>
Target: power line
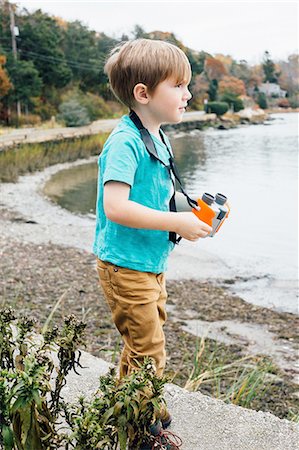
<point>72,64</point>
<point>55,59</point>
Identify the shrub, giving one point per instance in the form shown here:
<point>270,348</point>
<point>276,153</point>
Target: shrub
<point>294,101</point>
<point>73,114</point>
<point>262,100</point>
<point>284,103</point>
<point>25,120</point>
<point>44,109</point>
<point>120,412</point>
<point>232,100</point>
<point>218,108</point>
<point>95,106</point>
<point>30,404</point>
<point>31,408</point>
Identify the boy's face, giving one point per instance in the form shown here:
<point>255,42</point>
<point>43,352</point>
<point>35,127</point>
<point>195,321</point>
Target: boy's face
<point>169,100</point>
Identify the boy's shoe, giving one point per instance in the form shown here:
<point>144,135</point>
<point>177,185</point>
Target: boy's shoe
<point>161,440</point>
<point>165,417</point>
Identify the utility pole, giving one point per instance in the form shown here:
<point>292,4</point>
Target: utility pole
<point>14,32</point>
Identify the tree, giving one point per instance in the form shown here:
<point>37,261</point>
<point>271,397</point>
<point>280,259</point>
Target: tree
<point>214,69</point>
<point>213,88</point>
<point>269,69</point>
<point>83,55</point>
<point>289,77</point>
<point>139,32</point>
<point>25,79</point>
<point>5,84</point>
<point>197,61</point>
<point>242,71</point>
<point>226,60</point>
<point>232,85</point>
<point>200,90</point>
<point>41,42</point>
<point>262,100</point>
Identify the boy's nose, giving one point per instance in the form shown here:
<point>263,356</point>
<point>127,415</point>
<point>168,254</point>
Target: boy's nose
<point>188,95</point>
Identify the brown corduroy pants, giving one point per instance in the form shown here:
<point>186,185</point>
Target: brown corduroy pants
<point>137,301</point>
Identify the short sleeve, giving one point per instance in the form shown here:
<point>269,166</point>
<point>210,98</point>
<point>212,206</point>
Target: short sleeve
<point>121,161</point>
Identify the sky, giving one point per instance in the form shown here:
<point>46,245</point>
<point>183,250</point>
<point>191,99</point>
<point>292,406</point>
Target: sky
<point>242,29</point>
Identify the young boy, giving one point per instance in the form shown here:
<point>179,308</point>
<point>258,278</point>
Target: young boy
<point>136,217</point>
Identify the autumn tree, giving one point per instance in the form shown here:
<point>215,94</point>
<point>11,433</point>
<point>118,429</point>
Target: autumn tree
<point>5,84</point>
<point>214,69</point>
<point>256,76</point>
<point>200,90</point>
<point>289,74</point>
<point>226,60</point>
<point>232,85</point>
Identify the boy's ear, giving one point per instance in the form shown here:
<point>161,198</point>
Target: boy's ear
<point>140,93</point>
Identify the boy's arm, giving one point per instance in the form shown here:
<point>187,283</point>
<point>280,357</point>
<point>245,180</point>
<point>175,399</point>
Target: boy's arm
<point>118,208</point>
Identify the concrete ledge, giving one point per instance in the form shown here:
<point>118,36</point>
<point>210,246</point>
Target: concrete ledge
<point>203,423</point>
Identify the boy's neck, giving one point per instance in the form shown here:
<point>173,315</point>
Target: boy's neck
<point>149,122</point>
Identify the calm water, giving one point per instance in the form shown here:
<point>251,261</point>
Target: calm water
<point>257,168</point>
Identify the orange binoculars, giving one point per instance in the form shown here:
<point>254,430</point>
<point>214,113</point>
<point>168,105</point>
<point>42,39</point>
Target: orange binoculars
<point>212,210</point>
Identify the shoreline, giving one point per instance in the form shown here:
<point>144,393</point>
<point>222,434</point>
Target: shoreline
<point>191,119</point>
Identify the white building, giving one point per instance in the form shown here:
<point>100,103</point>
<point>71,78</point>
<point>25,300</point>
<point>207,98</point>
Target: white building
<point>270,89</point>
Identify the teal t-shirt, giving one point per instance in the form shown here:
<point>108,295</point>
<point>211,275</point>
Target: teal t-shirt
<point>124,158</point>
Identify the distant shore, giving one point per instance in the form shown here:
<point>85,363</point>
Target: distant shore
<point>10,138</point>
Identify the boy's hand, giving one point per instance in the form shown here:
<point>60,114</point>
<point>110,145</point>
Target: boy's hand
<point>190,227</point>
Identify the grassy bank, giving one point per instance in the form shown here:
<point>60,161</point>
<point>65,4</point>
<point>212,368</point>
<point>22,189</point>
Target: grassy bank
<point>31,157</point>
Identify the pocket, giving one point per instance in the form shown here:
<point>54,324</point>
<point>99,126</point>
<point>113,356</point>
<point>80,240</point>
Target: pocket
<point>131,284</point>
<point>103,271</point>
<point>105,282</point>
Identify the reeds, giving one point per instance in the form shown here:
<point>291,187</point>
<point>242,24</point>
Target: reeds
<point>32,157</point>
<point>246,381</point>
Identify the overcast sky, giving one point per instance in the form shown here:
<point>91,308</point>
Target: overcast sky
<point>241,29</point>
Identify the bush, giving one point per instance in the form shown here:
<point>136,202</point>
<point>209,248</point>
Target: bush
<point>73,114</point>
<point>218,108</point>
<point>294,101</point>
<point>96,107</point>
<point>284,103</point>
<point>31,406</point>
<point>120,413</point>
<point>44,109</point>
<point>233,100</point>
<point>262,100</point>
<point>29,403</point>
<point>25,120</point>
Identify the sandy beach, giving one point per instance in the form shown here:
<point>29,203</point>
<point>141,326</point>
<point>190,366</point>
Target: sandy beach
<point>46,253</point>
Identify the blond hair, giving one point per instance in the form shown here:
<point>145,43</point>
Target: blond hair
<point>144,61</point>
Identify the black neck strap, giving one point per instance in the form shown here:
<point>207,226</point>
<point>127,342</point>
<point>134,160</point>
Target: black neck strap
<point>150,146</point>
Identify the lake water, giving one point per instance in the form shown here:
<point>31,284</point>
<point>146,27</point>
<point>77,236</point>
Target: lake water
<point>256,167</point>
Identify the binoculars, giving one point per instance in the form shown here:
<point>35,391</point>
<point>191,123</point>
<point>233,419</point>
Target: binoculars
<point>212,210</point>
